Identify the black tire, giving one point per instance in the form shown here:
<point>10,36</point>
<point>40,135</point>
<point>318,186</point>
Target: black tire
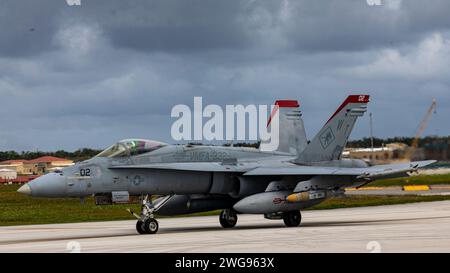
<point>140,227</point>
<point>151,226</point>
<point>292,218</point>
<point>228,219</point>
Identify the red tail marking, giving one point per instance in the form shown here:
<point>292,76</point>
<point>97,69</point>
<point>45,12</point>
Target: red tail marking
<point>282,104</point>
<point>351,99</point>
<point>287,103</point>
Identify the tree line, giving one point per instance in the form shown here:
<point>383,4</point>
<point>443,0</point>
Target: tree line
<point>86,153</point>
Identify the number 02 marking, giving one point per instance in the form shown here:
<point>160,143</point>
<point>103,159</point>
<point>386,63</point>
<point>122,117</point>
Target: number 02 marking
<point>85,172</point>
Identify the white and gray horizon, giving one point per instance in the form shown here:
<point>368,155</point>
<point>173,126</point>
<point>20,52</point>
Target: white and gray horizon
<point>90,75</point>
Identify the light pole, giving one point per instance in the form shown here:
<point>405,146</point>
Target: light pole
<point>371,131</point>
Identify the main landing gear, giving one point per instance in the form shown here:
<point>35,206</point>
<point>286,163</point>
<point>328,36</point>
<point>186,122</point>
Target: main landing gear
<point>149,226</point>
<point>292,218</point>
<point>147,223</point>
<point>228,218</point>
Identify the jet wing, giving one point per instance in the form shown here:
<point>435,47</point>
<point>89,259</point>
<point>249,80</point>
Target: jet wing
<point>394,170</point>
<point>190,166</point>
<point>374,172</point>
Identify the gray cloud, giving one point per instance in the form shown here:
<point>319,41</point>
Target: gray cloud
<point>197,25</point>
<point>87,76</point>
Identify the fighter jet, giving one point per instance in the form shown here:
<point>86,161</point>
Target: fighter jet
<point>198,178</point>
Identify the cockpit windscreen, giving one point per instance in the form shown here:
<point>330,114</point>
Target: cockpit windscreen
<point>130,147</point>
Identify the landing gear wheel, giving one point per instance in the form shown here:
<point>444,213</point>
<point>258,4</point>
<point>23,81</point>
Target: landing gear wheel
<point>140,227</point>
<point>151,226</point>
<point>228,218</point>
<point>292,218</point>
<point>146,223</point>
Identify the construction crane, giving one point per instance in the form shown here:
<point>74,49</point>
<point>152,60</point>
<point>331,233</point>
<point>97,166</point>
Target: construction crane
<point>421,129</point>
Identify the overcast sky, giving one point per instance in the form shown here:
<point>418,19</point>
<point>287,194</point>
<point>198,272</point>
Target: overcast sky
<point>88,76</point>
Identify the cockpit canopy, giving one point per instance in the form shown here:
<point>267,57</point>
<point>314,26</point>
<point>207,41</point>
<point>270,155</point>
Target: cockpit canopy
<point>130,147</point>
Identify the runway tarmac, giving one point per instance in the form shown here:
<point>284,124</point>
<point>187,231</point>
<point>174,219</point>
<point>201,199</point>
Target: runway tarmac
<point>418,227</point>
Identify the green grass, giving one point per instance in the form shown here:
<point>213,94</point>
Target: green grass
<point>414,180</point>
<point>17,209</point>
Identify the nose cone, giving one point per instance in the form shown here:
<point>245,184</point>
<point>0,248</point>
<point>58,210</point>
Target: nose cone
<point>25,189</point>
<point>49,185</point>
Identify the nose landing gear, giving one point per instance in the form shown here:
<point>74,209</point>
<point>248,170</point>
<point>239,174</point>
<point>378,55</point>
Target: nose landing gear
<point>147,223</point>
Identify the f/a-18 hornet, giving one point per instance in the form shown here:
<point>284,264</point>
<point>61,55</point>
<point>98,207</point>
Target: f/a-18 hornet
<point>197,178</point>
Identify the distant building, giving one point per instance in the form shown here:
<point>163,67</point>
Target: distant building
<point>390,153</point>
<point>38,166</point>
<point>47,164</point>
<point>7,174</point>
<point>432,149</point>
<point>19,166</point>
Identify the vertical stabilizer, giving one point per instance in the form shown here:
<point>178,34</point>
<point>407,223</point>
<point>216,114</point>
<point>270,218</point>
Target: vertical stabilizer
<point>330,142</point>
<point>292,137</point>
